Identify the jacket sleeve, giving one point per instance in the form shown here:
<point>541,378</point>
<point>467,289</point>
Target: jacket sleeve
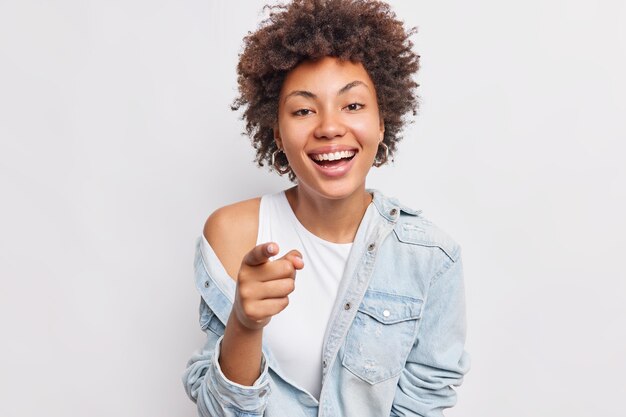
<point>207,386</point>
<point>437,361</point>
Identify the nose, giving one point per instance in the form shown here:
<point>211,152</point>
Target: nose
<point>330,126</point>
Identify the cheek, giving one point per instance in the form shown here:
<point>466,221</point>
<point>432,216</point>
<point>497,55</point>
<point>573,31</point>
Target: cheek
<point>368,132</point>
<point>293,137</point>
<point>287,130</point>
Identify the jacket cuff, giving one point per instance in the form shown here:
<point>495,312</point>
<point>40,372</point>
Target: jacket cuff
<point>252,399</point>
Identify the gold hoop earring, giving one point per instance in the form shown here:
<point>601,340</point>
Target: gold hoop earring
<point>282,170</point>
<point>381,162</point>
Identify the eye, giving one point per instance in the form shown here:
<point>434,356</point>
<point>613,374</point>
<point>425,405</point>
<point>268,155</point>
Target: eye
<point>302,112</point>
<point>354,106</point>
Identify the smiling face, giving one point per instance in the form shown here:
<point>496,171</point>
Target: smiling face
<point>329,126</point>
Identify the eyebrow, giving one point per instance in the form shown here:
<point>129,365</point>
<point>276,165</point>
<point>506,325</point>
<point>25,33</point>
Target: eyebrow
<point>342,90</point>
<point>351,85</point>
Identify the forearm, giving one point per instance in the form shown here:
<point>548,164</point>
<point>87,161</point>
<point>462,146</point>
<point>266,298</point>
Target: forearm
<point>241,352</point>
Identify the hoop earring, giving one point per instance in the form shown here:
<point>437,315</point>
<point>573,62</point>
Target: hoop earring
<point>282,170</point>
<point>378,163</point>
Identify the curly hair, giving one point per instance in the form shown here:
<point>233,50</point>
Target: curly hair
<point>364,31</point>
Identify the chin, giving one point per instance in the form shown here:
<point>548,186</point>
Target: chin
<point>337,189</point>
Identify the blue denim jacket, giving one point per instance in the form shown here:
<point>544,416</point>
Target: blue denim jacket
<point>395,341</point>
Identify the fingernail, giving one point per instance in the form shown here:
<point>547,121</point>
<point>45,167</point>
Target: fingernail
<point>300,258</point>
<point>270,248</point>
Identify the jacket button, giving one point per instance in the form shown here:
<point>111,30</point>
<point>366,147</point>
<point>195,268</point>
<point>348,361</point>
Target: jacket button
<point>206,284</point>
<point>371,247</point>
<point>386,313</point>
<point>347,306</point>
<point>393,211</point>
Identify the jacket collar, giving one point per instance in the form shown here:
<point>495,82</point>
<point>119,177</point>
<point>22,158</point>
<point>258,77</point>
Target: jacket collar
<point>390,207</point>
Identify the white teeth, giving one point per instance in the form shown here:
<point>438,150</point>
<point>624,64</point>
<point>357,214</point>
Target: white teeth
<point>333,156</point>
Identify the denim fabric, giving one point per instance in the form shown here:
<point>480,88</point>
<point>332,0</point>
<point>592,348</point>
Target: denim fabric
<point>394,344</point>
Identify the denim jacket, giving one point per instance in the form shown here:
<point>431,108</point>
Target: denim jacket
<point>394,345</point>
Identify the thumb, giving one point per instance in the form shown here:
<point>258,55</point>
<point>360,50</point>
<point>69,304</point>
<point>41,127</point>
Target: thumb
<point>260,254</point>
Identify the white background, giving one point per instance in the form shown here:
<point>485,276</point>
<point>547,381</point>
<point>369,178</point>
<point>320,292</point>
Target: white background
<point>117,141</point>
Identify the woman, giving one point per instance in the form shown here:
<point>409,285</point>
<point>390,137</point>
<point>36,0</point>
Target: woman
<point>327,298</point>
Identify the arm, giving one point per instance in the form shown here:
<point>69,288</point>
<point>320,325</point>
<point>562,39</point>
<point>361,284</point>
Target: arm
<point>229,376</point>
<point>231,232</point>
<point>437,360</point>
<point>262,291</point>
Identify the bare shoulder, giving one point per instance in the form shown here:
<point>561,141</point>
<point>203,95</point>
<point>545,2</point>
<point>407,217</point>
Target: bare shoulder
<point>232,231</point>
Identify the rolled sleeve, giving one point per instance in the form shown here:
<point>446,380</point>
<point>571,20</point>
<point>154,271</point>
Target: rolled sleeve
<point>216,395</point>
<point>437,361</point>
<point>251,399</point>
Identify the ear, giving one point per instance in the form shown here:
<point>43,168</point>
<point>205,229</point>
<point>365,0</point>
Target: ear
<point>382,129</point>
<point>277,139</point>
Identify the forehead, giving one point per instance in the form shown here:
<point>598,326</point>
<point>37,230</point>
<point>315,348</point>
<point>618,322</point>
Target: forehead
<point>328,74</point>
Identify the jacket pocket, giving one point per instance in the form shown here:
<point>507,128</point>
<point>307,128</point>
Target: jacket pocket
<point>381,336</point>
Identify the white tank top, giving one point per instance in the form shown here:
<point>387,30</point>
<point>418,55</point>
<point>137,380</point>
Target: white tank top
<point>296,334</point>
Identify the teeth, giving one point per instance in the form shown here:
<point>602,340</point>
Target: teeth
<point>333,156</point>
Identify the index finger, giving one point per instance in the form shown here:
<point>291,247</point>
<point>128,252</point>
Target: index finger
<point>260,254</point>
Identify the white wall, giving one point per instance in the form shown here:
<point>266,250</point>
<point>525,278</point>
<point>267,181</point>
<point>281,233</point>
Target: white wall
<point>116,142</point>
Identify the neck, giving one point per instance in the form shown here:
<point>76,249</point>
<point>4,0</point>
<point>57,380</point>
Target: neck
<point>334,220</point>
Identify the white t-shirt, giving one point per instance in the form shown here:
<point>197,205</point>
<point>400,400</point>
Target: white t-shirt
<point>296,334</point>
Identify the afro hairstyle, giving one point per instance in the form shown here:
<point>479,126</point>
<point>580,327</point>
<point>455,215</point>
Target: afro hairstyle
<point>364,31</point>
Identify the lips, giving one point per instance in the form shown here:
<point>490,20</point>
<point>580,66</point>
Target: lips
<point>333,161</point>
